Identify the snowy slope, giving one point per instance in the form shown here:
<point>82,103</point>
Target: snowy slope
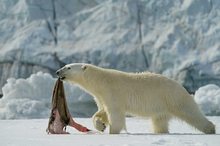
<point>32,132</point>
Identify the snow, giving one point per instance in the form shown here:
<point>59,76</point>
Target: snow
<point>32,132</point>
<point>31,98</point>
<point>208,98</point>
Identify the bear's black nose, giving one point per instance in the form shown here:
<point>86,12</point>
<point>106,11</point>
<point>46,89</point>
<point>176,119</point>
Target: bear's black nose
<point>58,72</point>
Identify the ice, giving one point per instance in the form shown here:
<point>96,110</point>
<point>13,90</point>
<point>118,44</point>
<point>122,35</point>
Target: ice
<point>208,98</point>
<point>107,33</point>
<point>179,39</point>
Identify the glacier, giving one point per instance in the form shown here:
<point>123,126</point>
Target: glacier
<point>179,39</point>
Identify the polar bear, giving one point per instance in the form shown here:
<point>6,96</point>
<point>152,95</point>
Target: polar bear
<point>146,94</point>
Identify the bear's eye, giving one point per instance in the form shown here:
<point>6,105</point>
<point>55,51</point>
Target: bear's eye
<point>84,67</point>
<point>68,68</point>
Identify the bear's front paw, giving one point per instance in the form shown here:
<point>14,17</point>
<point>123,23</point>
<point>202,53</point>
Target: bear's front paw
<point>99,125</point>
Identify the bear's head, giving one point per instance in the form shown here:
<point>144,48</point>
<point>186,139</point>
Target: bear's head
<point>72,72</point>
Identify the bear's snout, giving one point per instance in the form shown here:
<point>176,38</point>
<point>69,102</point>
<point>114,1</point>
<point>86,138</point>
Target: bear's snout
<point>60,75</point>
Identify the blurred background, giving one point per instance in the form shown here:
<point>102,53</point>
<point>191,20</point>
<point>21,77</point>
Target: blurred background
<point>179,39</point>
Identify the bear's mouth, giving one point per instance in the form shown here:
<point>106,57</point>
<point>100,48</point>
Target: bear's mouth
<point>62,78</point>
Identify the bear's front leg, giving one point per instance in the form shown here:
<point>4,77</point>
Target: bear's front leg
<point>116,121</point>
<point>100,120</point>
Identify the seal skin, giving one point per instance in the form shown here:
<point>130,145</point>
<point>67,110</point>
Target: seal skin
<point>60,116</point>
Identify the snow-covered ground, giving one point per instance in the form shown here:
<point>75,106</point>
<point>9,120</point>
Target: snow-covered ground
<point>32,133</point>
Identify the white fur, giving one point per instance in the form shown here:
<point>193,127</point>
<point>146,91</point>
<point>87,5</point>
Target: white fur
<point>141,94</point>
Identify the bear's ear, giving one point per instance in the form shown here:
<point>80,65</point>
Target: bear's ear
<point>84,67</point>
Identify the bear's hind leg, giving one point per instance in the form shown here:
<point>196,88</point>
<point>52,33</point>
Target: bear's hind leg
<point>160,123</point>
<point>194,117</point>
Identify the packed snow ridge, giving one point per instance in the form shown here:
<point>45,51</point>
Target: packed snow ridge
<point>31,98</point>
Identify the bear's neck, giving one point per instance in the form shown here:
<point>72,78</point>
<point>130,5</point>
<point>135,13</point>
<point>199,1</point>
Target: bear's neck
<point>94,81</point>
